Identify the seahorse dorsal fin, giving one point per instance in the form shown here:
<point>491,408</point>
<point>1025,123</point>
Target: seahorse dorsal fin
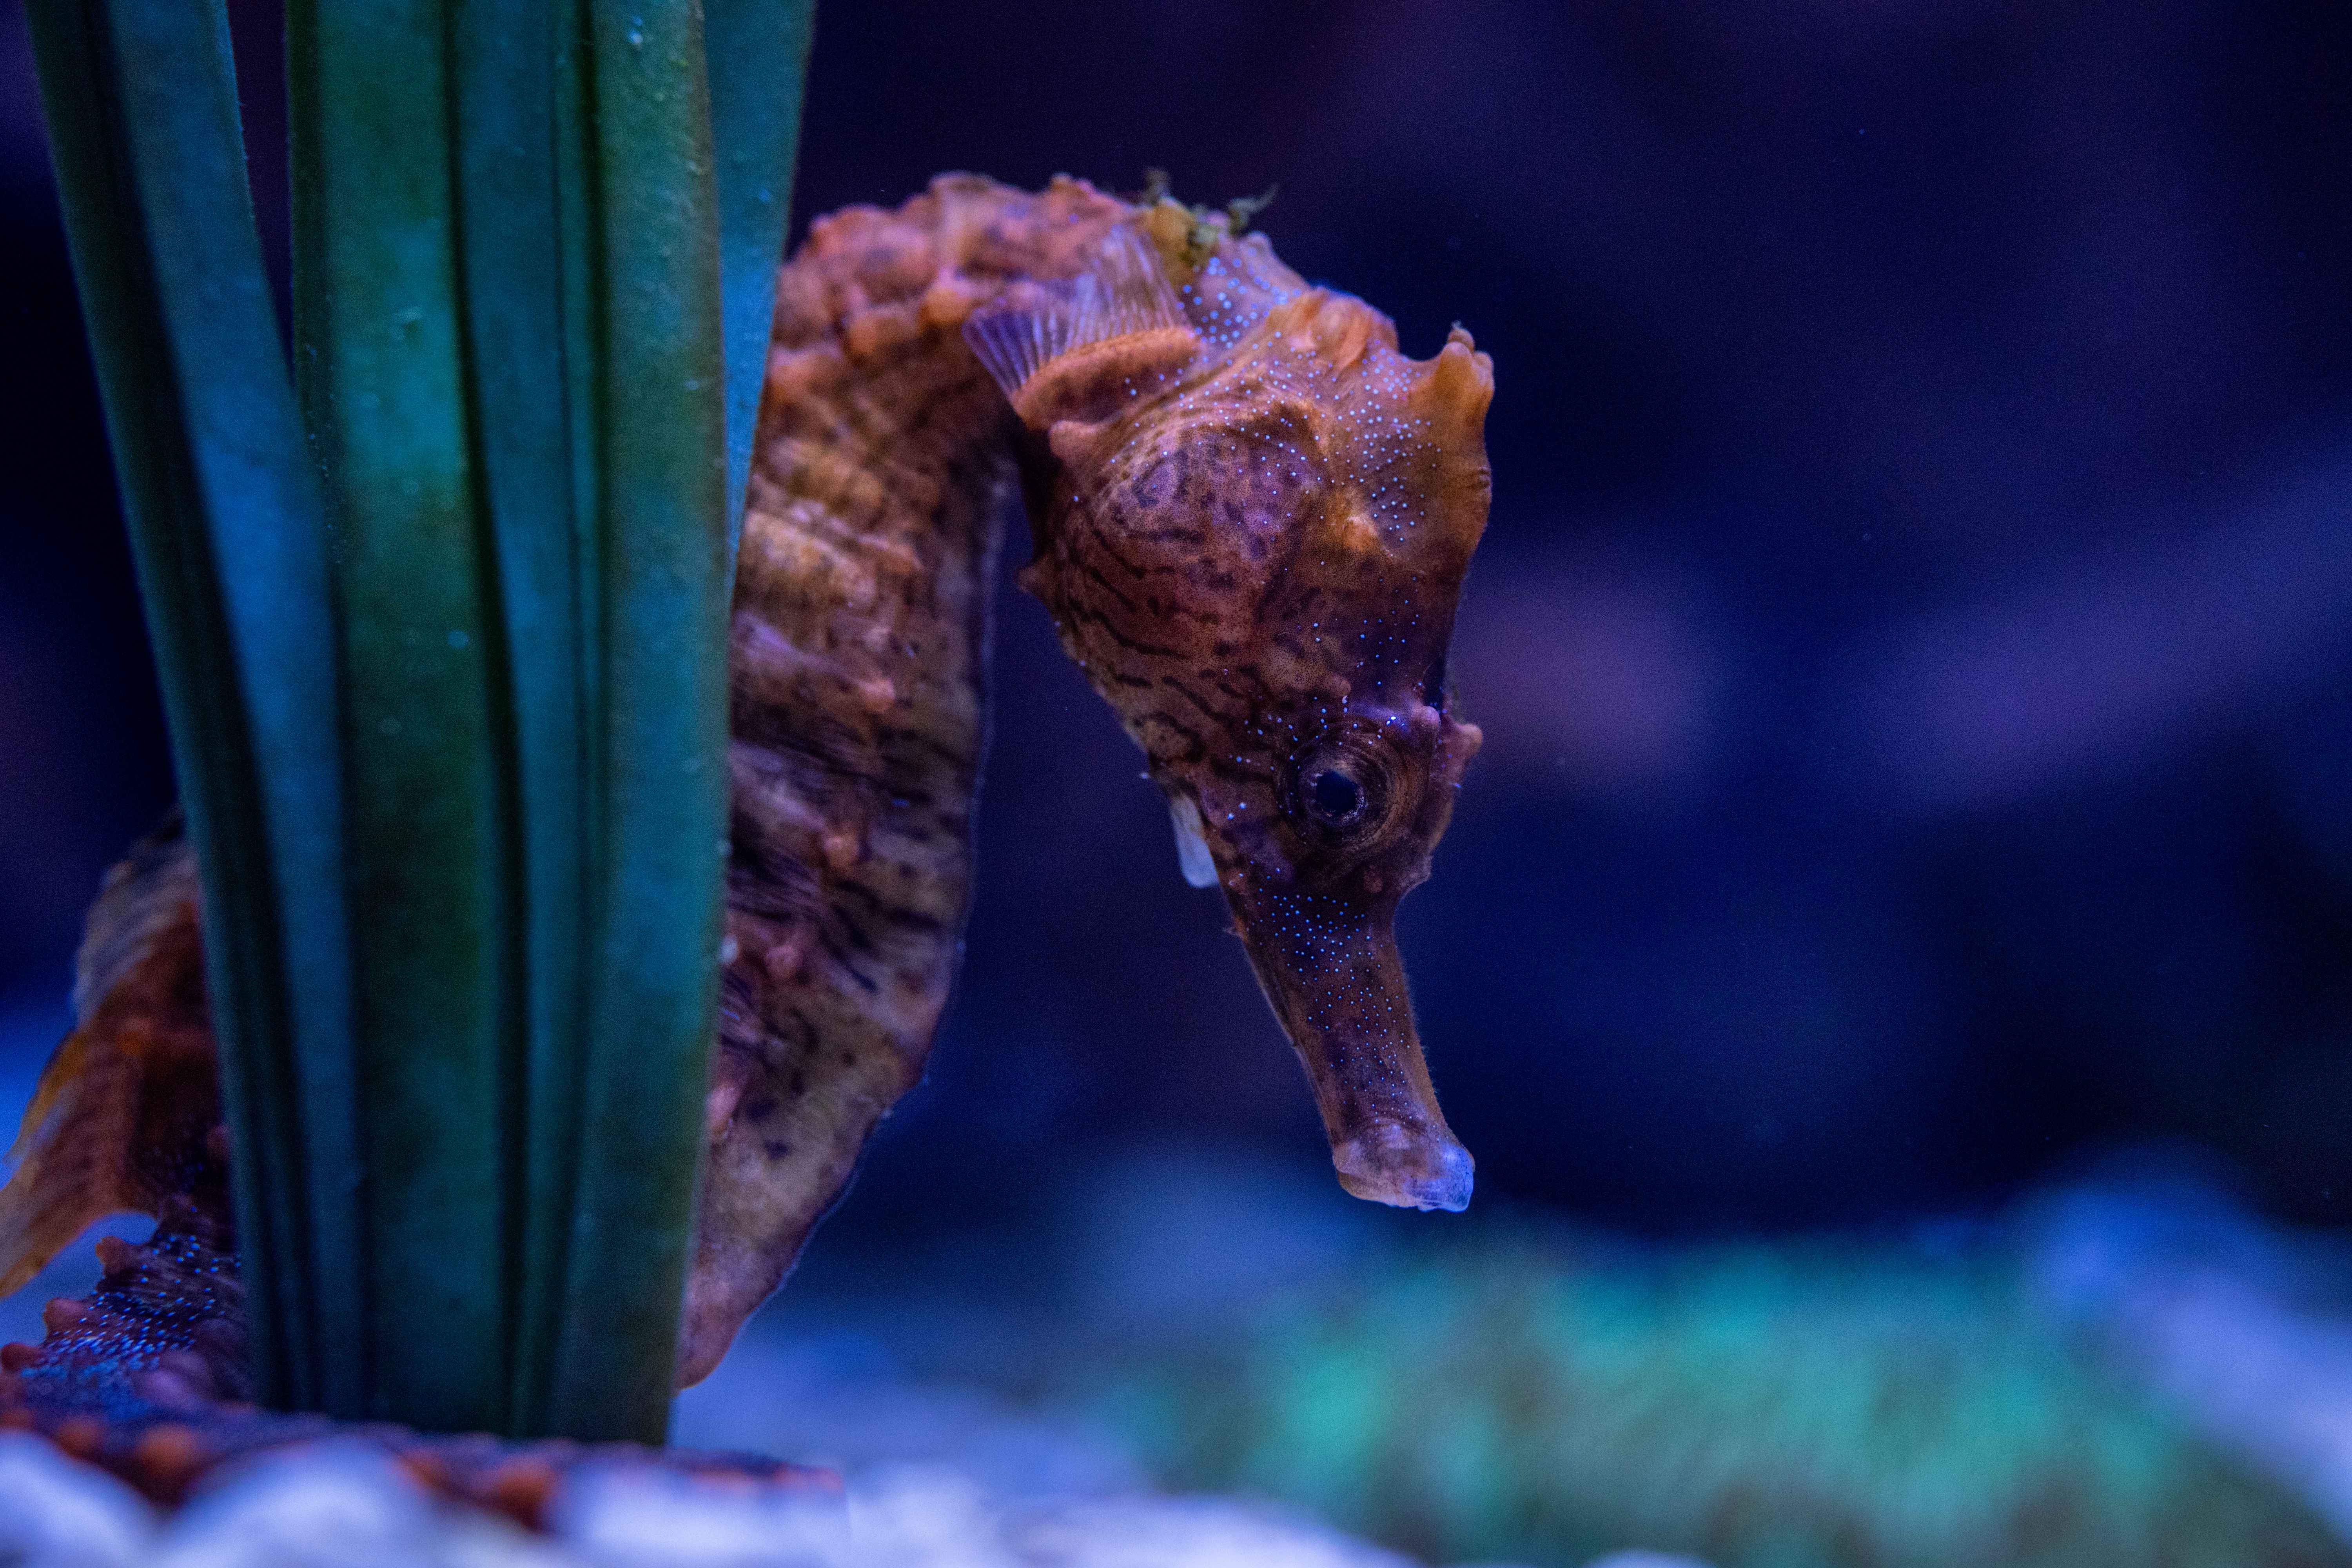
<point>1080,348</point>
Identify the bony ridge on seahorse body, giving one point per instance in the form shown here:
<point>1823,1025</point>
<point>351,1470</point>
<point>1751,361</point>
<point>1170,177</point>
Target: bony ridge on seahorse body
<point>1253,518</point>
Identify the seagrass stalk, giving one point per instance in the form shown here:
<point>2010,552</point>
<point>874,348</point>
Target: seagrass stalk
<point>525,262</point>
<point>382,353</point>
<point>224,514</point>
<point>677,444</point>
<point>656,528</point>
<point>759,59</point>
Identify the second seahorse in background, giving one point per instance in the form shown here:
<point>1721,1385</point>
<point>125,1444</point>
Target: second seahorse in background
<point>1253,519</point>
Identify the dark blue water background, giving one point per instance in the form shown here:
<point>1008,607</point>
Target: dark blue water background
<point>1913,639</point>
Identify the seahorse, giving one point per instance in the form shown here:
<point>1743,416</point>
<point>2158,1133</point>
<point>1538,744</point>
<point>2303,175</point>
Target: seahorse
<point>1253,517</point>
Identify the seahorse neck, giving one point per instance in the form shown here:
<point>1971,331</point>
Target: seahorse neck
<point>882,463</point>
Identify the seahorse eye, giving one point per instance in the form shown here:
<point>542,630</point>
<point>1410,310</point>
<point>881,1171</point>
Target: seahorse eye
<point>1344,790</point>
<point>1337,798</point>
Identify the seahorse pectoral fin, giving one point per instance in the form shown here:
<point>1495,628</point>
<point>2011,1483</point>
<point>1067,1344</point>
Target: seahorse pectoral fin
<point>1339,991</point>
<point>1193,855</point>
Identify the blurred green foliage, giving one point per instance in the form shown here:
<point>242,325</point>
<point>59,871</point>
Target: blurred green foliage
<point>1825,1406</point>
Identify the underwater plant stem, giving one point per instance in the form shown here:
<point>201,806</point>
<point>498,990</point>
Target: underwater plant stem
<point>660,812</point>
<point>523,286</point>
<point>758,51</point>
<point>227,527</point>
<point>382,345</point>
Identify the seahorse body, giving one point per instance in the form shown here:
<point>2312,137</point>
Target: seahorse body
<point>1253,516</point>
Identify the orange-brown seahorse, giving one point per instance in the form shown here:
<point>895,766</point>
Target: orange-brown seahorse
<point>1253,517</point>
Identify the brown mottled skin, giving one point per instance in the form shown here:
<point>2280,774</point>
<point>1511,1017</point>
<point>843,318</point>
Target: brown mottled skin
<point>1253,517</point>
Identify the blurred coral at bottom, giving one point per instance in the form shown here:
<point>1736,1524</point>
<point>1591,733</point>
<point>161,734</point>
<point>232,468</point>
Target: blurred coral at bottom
<point>1201,1358</point>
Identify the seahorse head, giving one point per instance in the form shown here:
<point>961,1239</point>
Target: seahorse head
<point>1253,518</point>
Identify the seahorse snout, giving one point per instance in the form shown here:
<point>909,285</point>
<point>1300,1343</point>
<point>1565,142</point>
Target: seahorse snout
<point>1338,988</point>
<point>1406,1167</point>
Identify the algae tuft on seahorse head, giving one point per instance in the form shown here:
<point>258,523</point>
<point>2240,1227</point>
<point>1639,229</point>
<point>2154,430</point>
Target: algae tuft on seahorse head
<point>1253,518</point>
